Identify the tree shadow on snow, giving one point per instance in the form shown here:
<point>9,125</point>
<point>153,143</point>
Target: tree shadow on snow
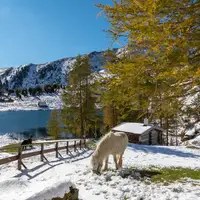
<point>162,150</point>
<point>54,163</point>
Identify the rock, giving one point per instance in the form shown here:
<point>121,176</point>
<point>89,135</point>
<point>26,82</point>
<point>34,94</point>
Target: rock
<point>71,195</point>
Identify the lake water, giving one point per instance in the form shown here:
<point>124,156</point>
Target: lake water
<point>25,123</point>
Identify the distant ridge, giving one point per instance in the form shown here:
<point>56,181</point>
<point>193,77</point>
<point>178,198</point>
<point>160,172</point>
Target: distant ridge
<point>34,75</point>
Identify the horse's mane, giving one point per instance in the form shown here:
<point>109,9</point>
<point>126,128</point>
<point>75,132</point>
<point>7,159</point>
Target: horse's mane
<point>103,138</point>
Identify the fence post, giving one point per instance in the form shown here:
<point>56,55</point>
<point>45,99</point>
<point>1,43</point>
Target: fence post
<point>42,152</point>
<point>80,144</point>
<point>67,147</point>
<point>74,145</point>
<point>20,158</point>
<point>56,149</point>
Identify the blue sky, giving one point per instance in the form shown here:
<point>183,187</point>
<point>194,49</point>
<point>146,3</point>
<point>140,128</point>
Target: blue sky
<point>38,31</point>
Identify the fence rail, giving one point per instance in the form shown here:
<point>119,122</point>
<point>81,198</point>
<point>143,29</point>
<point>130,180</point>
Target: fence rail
<point>76,143</point>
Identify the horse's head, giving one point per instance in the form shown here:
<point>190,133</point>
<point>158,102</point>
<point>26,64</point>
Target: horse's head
<point>96,164</point>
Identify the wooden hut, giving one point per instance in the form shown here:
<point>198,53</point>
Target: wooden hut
<point>140,133</point>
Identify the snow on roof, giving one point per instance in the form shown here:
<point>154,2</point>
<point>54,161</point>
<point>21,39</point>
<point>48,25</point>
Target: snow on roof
<point>137,128</point>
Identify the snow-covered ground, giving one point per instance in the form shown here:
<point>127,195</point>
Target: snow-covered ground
<point>44,180</point>
<point>7,139</point>
<point>191,131</point>
<point>31,103</point>
<point>193,142</point>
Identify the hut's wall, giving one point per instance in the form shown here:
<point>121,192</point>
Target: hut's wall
<point>145,138</point>
<point>154,137</point>
<point>151,138</point>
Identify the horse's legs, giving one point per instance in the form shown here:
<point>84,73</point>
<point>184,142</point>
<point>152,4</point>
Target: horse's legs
<point>99,167</point>
<point>115,160</point>
<point>120,160</point>
<point>106,164</point>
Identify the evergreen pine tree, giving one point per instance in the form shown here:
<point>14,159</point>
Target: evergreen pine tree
<point>79,104</point>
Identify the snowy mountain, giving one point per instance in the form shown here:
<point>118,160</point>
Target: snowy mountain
<point>2,70</point>
<point>33,75</point>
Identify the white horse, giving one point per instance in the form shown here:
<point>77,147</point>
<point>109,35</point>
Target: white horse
<point>113,143</point>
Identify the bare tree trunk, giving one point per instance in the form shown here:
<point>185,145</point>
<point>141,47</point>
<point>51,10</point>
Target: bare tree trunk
<point>114,116</point>
<point>81,110</point>
<point>176,134</point>
<point>86,103</point>
<point>161,122</point>
<point>167,127</point>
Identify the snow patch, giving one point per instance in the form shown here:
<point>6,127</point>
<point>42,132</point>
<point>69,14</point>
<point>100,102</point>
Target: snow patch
<point>43,180</point>
<point>56,190</point>
<point>31,103</point>
<point>8,138</point>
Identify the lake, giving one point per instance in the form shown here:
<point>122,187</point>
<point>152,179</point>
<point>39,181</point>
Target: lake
<point>25,123</point>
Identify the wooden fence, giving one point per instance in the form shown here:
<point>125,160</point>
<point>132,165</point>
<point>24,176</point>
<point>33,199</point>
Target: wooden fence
<point>77,143</point>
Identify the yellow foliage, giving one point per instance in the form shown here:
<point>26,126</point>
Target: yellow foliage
<point>163,38</point>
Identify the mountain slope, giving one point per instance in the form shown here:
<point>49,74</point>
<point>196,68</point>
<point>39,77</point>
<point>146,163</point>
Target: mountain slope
<point>33,75</point>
